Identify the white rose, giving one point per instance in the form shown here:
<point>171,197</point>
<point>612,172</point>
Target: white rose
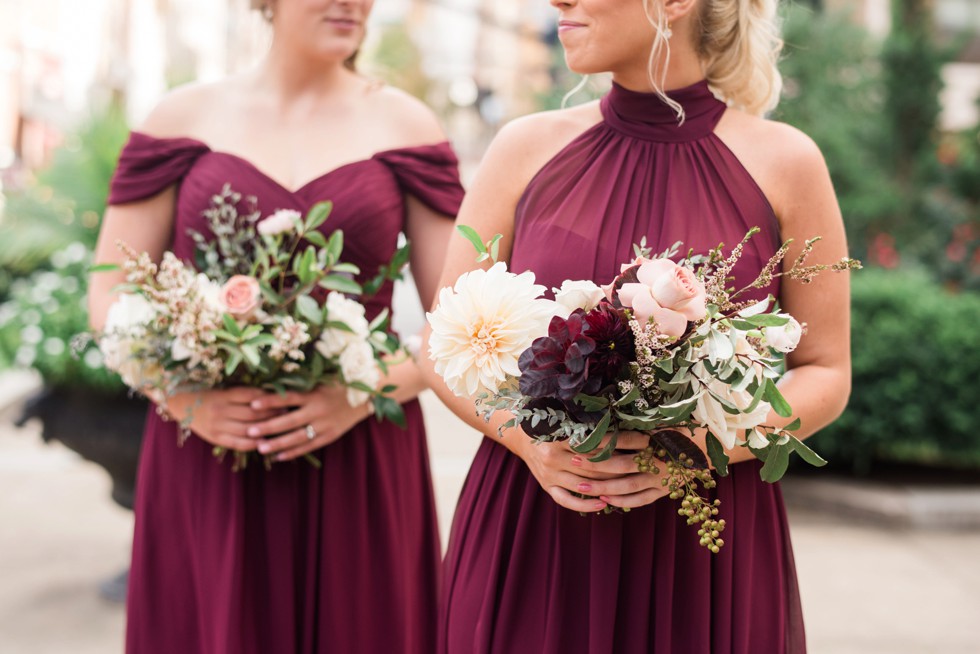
<point>712,414</point>
<point>357,364</point>
<point>129,313</point>
<point>785,338</point>
<point>578,295</point>
<point>284,220</point>
<point>210,292</point>
<point>340,308</point>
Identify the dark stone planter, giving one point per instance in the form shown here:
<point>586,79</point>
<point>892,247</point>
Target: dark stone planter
<point>104,429</point>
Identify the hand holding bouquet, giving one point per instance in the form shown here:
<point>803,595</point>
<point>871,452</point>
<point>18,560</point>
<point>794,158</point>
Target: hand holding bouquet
<point>269,306</point>
<point>665,348</point>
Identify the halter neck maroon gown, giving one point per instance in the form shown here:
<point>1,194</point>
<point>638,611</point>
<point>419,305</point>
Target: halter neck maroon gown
<point>295,559</point>
<point>524,575</point>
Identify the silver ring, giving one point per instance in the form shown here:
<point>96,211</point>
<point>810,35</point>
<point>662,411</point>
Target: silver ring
<point>310,432</point>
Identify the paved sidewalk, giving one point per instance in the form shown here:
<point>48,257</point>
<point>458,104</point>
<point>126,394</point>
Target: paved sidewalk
<point>866,589</point>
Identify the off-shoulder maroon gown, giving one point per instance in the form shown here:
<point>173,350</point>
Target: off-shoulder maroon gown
<point>295,559</point>
<point>524,575</point>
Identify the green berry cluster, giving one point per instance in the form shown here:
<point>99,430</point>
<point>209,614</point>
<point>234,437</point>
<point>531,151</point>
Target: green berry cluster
<point>681,481</point>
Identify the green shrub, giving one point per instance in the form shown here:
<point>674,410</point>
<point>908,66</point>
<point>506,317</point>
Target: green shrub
<point>916,361</point>
<point>45,312</point>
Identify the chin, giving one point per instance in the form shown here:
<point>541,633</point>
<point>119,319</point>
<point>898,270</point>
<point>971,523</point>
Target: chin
<point>583,65</point>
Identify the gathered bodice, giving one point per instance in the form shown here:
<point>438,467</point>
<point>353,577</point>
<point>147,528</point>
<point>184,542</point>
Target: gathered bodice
<point>641,172</point>
<point>368,195</point>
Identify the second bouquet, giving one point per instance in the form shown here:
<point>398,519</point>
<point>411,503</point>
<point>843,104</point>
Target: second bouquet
<point>268,303</point>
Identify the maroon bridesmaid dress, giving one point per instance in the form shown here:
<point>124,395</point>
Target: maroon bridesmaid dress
<point>524,575</point>
<point>292,560</point>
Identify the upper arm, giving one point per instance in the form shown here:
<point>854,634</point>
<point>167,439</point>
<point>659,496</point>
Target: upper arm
<point>145,225</point>
<point>807,208</point>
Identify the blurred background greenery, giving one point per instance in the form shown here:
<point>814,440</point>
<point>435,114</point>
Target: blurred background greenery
<point>909,189</point>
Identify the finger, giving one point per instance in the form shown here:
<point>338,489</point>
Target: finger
<point>281,424</point>
<point>569,501</point>
<point>636,499</point>
<point>626,485</point>
<point>615,466</point>
<point>245,413</point>
<point>231,442</point>
<point>277,401</point>
<point>243,394</point>
<point>296,439</point>
<point>633,440</point>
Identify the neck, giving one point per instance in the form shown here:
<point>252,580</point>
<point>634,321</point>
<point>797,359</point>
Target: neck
<point>293,75</point>
<point>683,69</point>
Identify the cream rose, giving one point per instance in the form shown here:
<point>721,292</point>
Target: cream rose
<point>668,293</point>
<point>284,220</point>
<point>578,295</point>
<point>241,296</point>
<point>784,338</point>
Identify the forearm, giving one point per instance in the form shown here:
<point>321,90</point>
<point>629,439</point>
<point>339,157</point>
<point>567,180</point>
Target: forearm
<point>818,396</point>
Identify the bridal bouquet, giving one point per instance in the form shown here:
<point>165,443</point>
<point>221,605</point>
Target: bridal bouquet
<point>268,305</point>
<point>665,348</point>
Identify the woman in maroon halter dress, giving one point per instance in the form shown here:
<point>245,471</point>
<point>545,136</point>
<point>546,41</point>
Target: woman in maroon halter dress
<point>571,192</point>
<point>294,559</point>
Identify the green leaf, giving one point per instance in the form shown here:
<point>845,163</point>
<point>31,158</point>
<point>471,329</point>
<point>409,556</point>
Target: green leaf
<point>593,440</point>
<point>757,396</point>
<point>495,247</point>
<point>104,267</point>
<point>341,284</point>
<point>386,408</point>
<point>766,320</point>
<point>234,359</point>
<point>716,452</point>
<point>309,309</point>
<point>270,295</point>
<point>607,451</point>
<point>806,453</point>
<point>742,325</point>
<point>776,399</point>
<point>630,397</point>
<point>316,238</point>
<point>380,321</point>
<point>684,408</point>
<point>473,237</point>
<point>793,426</point>
<point>251,355</point>
<point>398,261</point>
<point>776,463</point>
<point>262,339</point>
<point>335,247</point>
<point>231,326</point>
<point>591,403</point>
<point>346,268</point>
<point>336,324</point>
<point>317,216</point>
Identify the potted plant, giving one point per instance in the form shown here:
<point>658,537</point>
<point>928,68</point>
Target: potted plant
<point>82,405</point>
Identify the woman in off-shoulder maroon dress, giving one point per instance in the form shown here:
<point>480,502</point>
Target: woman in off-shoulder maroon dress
<point>571,192</point>
<point>292,559</point>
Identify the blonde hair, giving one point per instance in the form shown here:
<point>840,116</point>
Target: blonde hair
<point>739,45</point>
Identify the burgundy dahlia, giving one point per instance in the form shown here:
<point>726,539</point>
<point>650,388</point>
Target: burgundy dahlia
<point>557,365</point>
<point>609,328</point>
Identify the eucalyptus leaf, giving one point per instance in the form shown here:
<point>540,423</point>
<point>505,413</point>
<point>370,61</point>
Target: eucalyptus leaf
<point>776,464</point>
<point>607,451</point>
<point>594,438</point>
<point>341,284</point>
<point>317,216</point>
<point>716,452</point>
<point>309,309</point>
<point>777,401</point>
<point>316,238</point>
<point>806,453</point>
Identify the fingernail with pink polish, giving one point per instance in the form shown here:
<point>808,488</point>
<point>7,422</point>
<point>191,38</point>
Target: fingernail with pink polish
<point>253,431</point>
<point>584,488</point>
<point>576,461</point>
<point>264,449</point>
<point>256,404</point>
<point>599,506</point>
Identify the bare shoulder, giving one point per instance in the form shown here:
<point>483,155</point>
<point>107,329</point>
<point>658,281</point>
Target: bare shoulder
<point>183,109</point>
<point>411,121</point>
<point>786,163</point>
<point>529,142</point>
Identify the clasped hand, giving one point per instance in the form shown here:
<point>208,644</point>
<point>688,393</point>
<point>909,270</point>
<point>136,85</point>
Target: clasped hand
<point>279,426</point>
<point>615,482</point>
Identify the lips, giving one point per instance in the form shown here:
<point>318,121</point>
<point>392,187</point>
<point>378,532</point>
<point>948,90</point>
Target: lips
<point>343,23</point>
<point>568,25</point>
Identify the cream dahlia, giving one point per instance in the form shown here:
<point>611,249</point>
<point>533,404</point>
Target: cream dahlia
<point>483,324</point>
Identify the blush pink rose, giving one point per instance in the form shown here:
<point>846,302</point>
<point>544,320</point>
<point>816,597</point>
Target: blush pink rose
<point>241,295</point>
<point>666,292</point>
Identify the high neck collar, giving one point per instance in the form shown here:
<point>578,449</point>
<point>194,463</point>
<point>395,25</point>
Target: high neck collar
<point>646,116</point>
